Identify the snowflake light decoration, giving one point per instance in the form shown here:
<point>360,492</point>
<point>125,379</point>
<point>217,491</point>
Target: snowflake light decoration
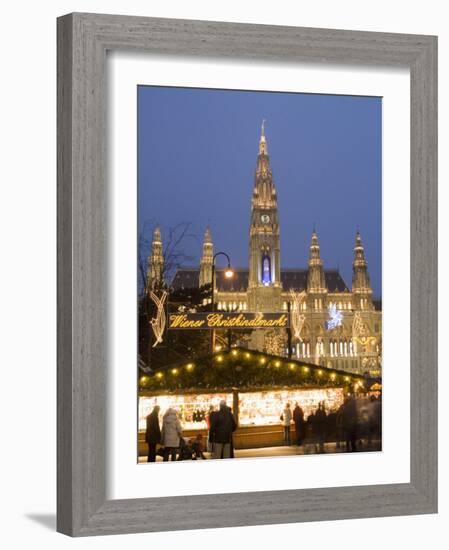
<point>335,317</point>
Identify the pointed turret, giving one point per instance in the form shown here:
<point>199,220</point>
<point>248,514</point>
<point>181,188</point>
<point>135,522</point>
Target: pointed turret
<point>361,285</point>
<point>155,271</point>
<point>206,259</point>
<point>360,277</point>
<point>316,282</point>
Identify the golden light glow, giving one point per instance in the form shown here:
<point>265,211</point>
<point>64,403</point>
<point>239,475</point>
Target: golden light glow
<point>174,371</point>
<point>346,378</point>
<point>333,376</point>
<point>263,360</point>
<point>189,366</point>
<point>292,366</point>
<point>305,369</point>
<point>320,372</point>
<point>234,352</point>
<point>159,375</point>
<point>229,273</point>
<point>143,379</point>
<point>256,408</point>
<point>247,355</point>
<point>277,364</point>
<point>219,358</point>
<point>217,348</point>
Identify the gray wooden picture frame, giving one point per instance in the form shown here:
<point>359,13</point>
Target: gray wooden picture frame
<point>83,40</point>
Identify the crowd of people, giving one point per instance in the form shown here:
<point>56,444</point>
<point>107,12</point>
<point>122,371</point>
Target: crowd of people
<point>169,442</point>
<point>356,419</point>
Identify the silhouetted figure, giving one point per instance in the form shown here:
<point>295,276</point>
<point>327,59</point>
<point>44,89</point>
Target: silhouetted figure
<point>222,426</point>
<point>197,447</point>
<point>320,427</point>
<point>349,422</point>
<point>339,431</point>
<point>153,433</point>
<point>298,419</point>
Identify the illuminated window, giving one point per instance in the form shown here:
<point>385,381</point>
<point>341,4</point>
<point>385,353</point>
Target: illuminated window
<point>266,270</point>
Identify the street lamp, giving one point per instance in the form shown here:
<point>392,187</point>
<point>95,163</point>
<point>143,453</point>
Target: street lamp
<point>229,273</point>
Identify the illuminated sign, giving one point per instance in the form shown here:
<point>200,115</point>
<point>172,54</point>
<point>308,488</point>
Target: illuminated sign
<point>225,320</point>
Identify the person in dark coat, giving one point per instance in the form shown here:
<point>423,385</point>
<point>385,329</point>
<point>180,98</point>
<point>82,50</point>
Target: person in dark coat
<point>350,423</point>
<point>320,426</point>
<point>223,425</point>
<point>208,420</point>
<point>298,419</point>
<point>153,433</point>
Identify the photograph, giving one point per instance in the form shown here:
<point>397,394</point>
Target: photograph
<point>259,276</point>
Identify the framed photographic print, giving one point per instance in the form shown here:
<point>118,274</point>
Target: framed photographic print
<point>247,274</point>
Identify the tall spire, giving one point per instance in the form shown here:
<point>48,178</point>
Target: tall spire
<point>264,194</point>
<point>360,278</point>
<point>263,148</point>
<point>316,282</point>
<point>206,259</point>
<point>155,271</point>
<point>264,279</point>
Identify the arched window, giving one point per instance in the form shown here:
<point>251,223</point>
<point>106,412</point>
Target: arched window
<point>266,270</point>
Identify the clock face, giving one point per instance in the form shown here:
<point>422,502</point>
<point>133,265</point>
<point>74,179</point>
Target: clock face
<point>265,218</point>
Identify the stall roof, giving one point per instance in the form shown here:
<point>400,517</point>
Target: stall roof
<point>241,368</point>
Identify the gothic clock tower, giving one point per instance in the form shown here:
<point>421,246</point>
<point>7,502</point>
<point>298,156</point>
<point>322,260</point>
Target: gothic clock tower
<point>264,284</point>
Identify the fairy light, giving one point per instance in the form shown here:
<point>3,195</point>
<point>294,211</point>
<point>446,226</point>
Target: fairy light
<point>292,366</point>
<point>247,355</point>
<point>174,371</point>
<point>220,358</point>
<point>277,364</point>
<point>320,372</point>
<point>159,375</point>
<point>263,360</point>
<point>305,369</point>
<point>234,352</point>
<point>189,367</point>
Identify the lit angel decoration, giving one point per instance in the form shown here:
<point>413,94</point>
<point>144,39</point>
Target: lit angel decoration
<point>158,322</point>
<point>359,328</point>
<point>360,334</point>
<point>335,317</point>
<point>297,318</point>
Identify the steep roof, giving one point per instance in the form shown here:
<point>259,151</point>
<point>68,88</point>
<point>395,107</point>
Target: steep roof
<point>291,278</point>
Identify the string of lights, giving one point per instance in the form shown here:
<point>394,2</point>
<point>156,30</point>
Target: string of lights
<point>241,358</point>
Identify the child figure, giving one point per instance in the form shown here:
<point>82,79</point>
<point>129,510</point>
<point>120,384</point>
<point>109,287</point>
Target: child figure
<point>197,447</point>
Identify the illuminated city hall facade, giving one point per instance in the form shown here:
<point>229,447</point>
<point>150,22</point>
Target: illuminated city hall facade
<point>335,326</point>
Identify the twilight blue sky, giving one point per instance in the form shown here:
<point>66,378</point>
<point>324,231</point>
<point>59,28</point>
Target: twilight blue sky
<point>197,153</point>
